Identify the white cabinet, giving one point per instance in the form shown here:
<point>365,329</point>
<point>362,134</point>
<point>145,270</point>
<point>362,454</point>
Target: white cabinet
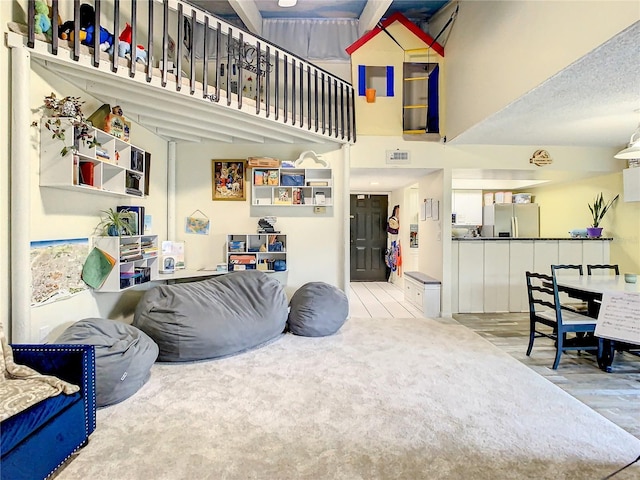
<point>489,275</point>
<point>136,260</point>
<point>99,163</point>
<point>496,276</point>
<point>423,292</point>
<point>467,205</point>
<point>471,277</point>
<point>297,187</point>
<point>520,261</point>
<point>262,251</point>
<point>631,184</point>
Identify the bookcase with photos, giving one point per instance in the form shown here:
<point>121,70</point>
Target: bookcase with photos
<point>107,166</point>
<point>135,260</point>
<point>297,187</point>
<point>261,251</point>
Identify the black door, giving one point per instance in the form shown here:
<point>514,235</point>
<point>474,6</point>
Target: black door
<point>368,237</point>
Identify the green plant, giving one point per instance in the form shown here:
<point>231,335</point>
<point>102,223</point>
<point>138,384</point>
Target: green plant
<point>114,223</point>
<point>69,108</point>
<point>598,209</point>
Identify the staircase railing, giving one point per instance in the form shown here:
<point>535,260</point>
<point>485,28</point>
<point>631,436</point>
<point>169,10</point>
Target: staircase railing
<point>192,49</point>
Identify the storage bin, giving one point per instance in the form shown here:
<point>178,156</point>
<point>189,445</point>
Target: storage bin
<point>236,246</point>
<point>522,198</point>
<point>292,180</point>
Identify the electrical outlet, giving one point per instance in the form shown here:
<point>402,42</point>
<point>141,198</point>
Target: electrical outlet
<point>319,209</point>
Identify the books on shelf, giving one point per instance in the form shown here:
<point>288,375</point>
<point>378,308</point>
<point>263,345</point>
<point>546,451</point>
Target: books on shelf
<point>137,217</point>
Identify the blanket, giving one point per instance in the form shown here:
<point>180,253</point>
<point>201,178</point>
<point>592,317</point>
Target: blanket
<point>21,386</point>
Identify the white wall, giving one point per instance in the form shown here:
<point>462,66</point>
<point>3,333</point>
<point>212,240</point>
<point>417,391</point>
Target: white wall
<point>498,50</point>
<point>60,214</point>
<point>315,242</point>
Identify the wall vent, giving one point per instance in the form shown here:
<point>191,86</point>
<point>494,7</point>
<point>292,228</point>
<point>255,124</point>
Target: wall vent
<point>398,157</point>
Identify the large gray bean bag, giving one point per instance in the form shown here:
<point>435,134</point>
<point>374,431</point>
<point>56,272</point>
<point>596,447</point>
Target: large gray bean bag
<point>317,309</point>
<point>213,318</point>
<point>124,356</point>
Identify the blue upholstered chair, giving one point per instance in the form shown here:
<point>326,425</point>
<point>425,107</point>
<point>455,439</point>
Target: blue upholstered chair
<point>38,440</point>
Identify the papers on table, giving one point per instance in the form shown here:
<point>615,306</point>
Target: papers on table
<point>619,317</point>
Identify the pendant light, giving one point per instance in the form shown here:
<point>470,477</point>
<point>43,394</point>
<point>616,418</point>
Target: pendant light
<point>633,150</point>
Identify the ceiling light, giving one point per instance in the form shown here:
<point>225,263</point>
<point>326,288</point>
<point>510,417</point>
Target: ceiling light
<point>633,150</point>
<point>287,3</point>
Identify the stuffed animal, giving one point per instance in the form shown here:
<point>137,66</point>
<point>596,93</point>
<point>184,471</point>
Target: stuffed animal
<point>87,29</point>
<point>43,22</point>
<point>124,46</point>
<point>87,18</point>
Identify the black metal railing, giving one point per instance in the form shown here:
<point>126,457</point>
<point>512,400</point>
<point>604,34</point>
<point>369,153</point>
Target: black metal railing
<point>227,64</point>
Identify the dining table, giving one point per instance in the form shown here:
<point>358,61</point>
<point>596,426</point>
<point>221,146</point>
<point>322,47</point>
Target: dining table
<point>616,306</point>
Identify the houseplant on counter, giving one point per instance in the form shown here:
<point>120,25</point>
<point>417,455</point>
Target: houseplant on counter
<point>598,209</point>
<point>115,223</point>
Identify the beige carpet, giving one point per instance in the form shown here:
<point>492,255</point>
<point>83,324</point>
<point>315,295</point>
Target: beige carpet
<point>382,399</point>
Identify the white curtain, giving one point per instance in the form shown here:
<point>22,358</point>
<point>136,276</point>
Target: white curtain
<point>312,39</point>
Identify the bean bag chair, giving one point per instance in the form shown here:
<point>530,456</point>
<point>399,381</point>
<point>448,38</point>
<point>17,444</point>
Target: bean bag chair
<point>317,310</point>
<point>213,318</point>
<point>124,356</point>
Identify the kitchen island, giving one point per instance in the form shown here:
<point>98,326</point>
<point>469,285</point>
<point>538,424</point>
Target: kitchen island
<point>488,273</point>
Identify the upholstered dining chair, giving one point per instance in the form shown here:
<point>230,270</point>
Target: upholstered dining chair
<point>548,318</point>
<point>611,268</point>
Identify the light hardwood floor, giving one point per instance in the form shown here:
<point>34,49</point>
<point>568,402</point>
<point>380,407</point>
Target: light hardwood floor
<point>614,395</point>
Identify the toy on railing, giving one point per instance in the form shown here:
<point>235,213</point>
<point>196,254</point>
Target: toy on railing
<point>124,46</point>
<point>87,29</point>
<point>42,20</point>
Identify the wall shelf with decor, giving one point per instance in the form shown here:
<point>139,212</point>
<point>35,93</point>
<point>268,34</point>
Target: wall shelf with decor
<point>112,166</point>
<point>136,261</point>
<point>292,187</point>
<point>262,251</point>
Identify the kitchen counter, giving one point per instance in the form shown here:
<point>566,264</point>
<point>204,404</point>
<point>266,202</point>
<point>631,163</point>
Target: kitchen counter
<point>528,238</point>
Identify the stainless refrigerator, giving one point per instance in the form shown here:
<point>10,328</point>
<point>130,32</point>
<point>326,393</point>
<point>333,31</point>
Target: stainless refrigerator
<point>511,220</point>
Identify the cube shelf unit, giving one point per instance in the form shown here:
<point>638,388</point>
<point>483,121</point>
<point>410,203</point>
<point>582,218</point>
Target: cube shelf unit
<point>292,187</point>
<point>113,167</point>
<point>255,251</point>
<point>136,260</point>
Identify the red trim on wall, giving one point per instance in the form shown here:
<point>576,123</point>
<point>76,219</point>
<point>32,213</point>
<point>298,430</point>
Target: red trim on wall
<point>412,27</point>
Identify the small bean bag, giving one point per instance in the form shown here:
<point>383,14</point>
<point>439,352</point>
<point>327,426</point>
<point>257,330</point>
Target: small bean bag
<point>213,318</point>
<point>124,356</point>
<point>317,310</point>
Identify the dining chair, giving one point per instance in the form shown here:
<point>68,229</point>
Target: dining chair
<point>546,310</point>
<point>613,268</point>
<point>580,307</point>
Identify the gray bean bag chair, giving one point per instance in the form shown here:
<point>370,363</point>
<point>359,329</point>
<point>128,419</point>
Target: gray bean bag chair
<point>317,310</point>
<point>124,356</point>
<point>213,318</point>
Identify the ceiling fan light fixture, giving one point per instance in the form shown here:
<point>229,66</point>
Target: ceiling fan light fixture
<point>287,3</point>
<point>633,150</point>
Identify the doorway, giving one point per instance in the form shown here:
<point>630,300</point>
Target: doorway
<point>368,237</point>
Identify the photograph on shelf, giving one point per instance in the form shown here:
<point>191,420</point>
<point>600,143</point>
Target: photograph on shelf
<point>228,179</point>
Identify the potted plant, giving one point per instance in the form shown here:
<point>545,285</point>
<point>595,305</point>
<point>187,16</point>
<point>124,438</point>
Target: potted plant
<point>71,109</point>
<point>114,223</point>
<point>598,209</point>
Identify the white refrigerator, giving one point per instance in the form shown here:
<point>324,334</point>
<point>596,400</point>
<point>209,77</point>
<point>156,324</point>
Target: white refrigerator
<point>517,220</point>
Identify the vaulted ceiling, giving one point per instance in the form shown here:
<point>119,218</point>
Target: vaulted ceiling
<point>594,102</point>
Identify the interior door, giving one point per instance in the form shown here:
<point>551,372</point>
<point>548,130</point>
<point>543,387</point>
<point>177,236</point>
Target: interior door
<point>368,237</point>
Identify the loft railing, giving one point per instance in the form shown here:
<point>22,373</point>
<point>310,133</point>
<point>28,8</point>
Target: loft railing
<point>211,58</point>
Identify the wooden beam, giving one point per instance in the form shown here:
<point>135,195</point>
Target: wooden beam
<point>371,15</point>
<point>249,14</point>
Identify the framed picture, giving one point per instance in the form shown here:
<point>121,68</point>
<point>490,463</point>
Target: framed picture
<point>228,179</point>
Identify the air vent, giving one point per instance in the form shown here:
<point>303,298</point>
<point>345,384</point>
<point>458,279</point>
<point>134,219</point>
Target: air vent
<point>398,157</point>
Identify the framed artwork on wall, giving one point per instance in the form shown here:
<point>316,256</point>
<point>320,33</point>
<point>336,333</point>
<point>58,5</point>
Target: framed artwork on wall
<point>228,179</point>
